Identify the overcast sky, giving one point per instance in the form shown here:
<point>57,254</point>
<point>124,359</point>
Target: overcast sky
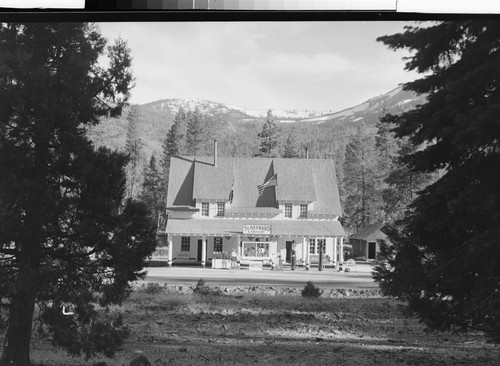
<point>262,65</point>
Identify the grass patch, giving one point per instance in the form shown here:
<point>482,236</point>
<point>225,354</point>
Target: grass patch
<point>199,328</point>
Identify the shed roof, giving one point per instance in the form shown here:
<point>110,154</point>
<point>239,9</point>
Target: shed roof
<point>370,232</point>
<point>235,227</point>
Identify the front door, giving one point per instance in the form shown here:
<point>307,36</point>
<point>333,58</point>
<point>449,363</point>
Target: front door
<point>289,251</point>
<point>372,247</point>
<point>200,249</point>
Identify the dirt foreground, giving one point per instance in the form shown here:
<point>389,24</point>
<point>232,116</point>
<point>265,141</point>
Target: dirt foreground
<point>241,325</point>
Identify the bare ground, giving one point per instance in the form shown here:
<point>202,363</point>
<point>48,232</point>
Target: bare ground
<point>267,325</point>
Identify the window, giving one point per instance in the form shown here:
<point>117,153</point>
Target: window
<point>312,246</point>
<point>255,249</point>
<point>220,208</point>
<point>217,245</point>
<point>185,244</point>
<point>262,249</point>
<point>322,245</point>
<point>204,208</point>
<point>303,211</point>
<point>288,211</point>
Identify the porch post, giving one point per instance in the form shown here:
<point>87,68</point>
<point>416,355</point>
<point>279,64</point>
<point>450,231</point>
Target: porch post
<point>170,250</point>
<point>335,243</point>
<point>203,251</point>
<point>238,246</point>
<point>319,248</point>
<point>308,263</point>
<point>304,253</point>
<point>341,250</point>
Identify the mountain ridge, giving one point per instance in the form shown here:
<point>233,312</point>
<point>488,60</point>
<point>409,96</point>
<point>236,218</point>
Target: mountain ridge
<point>236,127</point>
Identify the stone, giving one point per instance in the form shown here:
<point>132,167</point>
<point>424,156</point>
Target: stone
<point>140,360</point>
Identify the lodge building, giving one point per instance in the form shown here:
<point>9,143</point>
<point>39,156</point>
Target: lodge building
<point>256,209</point>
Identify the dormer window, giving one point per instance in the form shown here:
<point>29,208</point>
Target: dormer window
<point>288,211</point>
<point>204,208</point>
<point>220,209</point>
<point>303,211</point>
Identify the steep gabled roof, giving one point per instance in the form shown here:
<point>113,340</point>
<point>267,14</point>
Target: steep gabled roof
<point>298,180</point>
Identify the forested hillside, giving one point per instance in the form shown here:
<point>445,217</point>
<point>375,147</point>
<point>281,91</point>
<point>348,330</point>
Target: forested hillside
<point>351,137</point>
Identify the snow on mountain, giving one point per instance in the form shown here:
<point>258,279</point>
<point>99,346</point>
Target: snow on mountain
<point>368,112</point>
<point>395,101</point>
<point>216,108</point>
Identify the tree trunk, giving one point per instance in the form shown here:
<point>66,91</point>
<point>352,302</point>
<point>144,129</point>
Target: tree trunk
<point>18,337</point>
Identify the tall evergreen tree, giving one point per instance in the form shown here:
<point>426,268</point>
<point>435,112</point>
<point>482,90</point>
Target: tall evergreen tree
<point>133,147</point>
<point>386,160</point>
<point>153,191</point>
<point>172,145</point>
<point>361,202</point>
<point>269,136</point>
<point>291,150</point>
<point>402,183</point>
<point>65,237</point>
<point>444,261</point>
<point>173,142</point>
<point>194,133</point>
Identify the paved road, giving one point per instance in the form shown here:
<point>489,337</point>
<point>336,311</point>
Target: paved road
<point>360,277</point>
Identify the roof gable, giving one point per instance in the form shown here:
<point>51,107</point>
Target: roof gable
<point>180,182</point>
<point>212,182</point>
<point>295,180</point>
<point>298,180</point>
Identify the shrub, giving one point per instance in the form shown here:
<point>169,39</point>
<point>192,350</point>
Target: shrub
<point>310,290</point>
<point>202,289</point>
<point>153,288</point>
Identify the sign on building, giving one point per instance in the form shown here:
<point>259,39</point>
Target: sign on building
<point>257,229</point>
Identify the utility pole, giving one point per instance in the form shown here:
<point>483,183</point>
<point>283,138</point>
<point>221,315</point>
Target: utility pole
<point>320,248</point>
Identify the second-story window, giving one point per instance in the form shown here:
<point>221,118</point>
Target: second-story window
<point>220,208</point>
<point>204,208</point>
<point>303,211</point>
<point>288,211</point>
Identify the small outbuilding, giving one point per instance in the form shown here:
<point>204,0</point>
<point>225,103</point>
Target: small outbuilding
<point>366,242</point>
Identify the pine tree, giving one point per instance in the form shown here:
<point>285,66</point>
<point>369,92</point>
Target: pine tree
<point>387,157</point>
<point>444,260</point>
<point>172,144</point>
<point>269,136</point>
<point>195,133</point>
<point>65,235</point>
<point>361,202</point>
<point>402,183</point>
<point>153,189</point>
<point>133,147</point>
<point>291,150</point>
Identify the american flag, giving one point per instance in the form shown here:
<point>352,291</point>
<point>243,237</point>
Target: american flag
<point>231,194</point>
<point>271,182</point>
